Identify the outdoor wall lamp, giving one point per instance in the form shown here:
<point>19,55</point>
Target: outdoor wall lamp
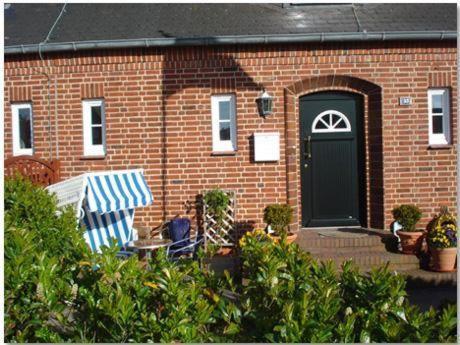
<point>265,103</point>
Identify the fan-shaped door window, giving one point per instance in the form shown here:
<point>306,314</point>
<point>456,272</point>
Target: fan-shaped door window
<point>330,121</point>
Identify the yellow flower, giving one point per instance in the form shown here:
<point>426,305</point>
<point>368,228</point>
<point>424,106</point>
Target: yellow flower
<point>152,285</point>
<point>259,232</point>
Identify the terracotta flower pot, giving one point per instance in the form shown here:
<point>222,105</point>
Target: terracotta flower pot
<point>291,237</point>
<point>443,259</point>
<point>411,242</point>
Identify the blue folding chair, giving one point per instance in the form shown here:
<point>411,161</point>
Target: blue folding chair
<point>182,244</point>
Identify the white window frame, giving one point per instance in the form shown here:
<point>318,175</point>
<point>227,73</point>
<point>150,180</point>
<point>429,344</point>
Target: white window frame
<point>330,127</point>
<point>90,150</point>
<point>17,150</point>
<point>439,138</point>
<point>217,144</point>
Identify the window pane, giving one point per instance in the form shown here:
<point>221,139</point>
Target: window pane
<point>320,125</point>
<point>97,135</point>
<point>341,124</point>
<point>25,134</point>
<point>224,131</point>
<point>335,118</point>
<point>224,110</point>
<point>437,103</point>
<point>437,125</point>
<point>96,118</point>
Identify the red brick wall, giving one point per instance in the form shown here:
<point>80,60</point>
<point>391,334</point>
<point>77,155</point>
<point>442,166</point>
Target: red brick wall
<point>158,118</point>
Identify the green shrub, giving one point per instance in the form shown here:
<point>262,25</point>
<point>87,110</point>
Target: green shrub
<point>291,298</point>
<point>56,290</point>
<point>407,216</point>
<point>278,216</point>
<point>124,302</point>
<point>68,294</point>
<point>42,251</point>
<point>288,297</point>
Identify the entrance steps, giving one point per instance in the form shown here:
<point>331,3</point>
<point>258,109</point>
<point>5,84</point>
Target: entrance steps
<point>368,248</point>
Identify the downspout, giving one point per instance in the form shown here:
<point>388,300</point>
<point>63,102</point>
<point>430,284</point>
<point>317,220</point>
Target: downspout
<point>56,128</point>
<point>357,19</point>
<point>49,108</point>
<point>49,91</point>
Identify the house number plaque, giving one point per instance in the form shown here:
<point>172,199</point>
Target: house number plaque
<point>405,100</point>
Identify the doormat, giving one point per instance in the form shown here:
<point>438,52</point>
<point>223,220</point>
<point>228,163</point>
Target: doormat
<point>343,233</point>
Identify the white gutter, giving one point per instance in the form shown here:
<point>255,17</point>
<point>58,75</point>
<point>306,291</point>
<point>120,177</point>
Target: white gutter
<point>226,40</point>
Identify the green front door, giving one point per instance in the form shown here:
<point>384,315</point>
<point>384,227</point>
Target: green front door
<point>331,163</point>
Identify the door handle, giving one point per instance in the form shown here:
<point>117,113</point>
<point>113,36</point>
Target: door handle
<point>307,147</point>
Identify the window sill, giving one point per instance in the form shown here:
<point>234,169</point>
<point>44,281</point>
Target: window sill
<point>223,153</point>
<point>23,153</point>
<point>440,147</point>
<point>89,158</point>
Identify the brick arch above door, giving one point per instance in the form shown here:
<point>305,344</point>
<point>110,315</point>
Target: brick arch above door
<point>374,147</point>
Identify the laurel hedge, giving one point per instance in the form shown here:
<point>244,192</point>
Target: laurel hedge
<point>57,290</point>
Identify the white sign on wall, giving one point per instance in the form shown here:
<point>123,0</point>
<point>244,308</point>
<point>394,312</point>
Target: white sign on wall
<point>266,147</point>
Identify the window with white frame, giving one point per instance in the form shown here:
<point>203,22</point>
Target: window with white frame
<point>223,110</point>
<point>439,116</point>
<point>331,121</point>
<point>94,127</point>
<point>22,129</point>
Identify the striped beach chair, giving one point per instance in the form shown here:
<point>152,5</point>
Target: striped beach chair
<point>105,202</point>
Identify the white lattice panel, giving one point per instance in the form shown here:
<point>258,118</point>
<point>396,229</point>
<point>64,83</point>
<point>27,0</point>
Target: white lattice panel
<point>223,233</point>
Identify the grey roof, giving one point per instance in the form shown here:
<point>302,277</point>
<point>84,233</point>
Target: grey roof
<point>29,24</point>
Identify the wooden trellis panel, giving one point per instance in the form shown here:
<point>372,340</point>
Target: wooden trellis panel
<point>223,234</point>
<point>35,169</point>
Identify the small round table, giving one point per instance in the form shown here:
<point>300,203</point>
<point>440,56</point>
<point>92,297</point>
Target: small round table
<point>147,246</point>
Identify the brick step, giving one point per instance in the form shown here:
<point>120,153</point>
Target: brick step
<point>366,260</point>
<point>422,278</point>
<point>373,239</point>
<point>343,251</point>
<point>416,278</point>
<point>341,243</point>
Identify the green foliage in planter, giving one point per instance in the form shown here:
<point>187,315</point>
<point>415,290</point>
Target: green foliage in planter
<point>407,216</point>
<point>68,294</point>
<point>217,202</point>
<point>278,216</point>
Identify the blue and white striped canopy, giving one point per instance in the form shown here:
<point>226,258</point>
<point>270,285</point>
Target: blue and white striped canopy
<point>102,229</point>
<point>113,192</point>
<point>109,206</point>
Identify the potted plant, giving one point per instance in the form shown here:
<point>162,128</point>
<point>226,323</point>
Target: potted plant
<point>217,201</point>
<point>411,238</point>
<point>442,241</point>
<point>278,217</point>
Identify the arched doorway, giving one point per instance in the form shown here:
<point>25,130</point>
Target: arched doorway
<point>372,107</point>
<point>332,169</point>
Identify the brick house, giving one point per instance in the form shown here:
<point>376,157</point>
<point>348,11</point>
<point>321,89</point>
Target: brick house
<point>364,102</point>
